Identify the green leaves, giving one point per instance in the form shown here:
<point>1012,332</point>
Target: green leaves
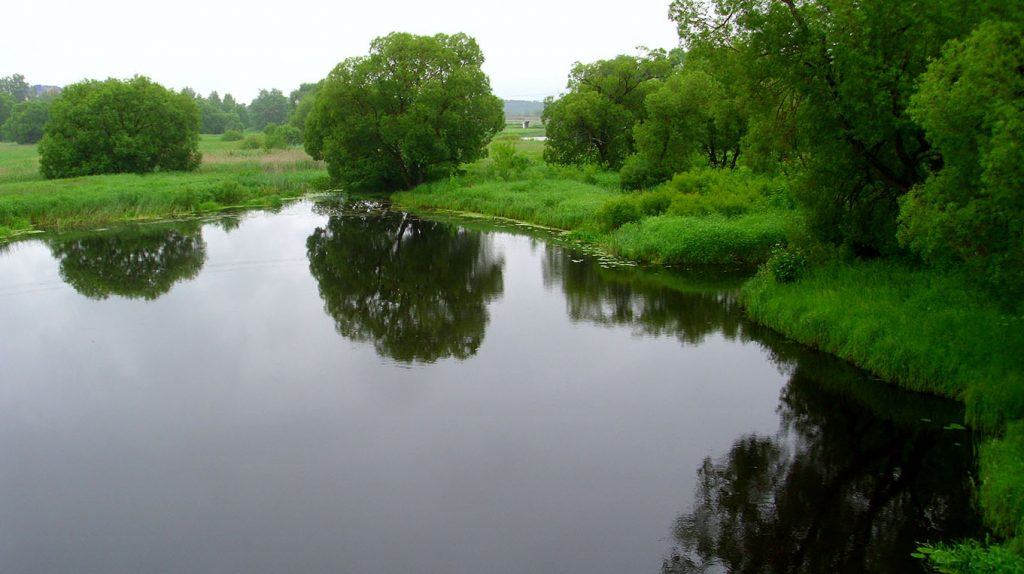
<point>411,111</point>
<point>114,126</point>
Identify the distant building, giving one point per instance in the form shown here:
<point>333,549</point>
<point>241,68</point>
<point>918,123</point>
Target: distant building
<point>39,90</point>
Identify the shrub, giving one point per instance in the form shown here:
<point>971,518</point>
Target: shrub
<point>114,126</point>
<point>617,212</point>
<point>786,265</point>
<point>253,141</point>
<point>231,136</point>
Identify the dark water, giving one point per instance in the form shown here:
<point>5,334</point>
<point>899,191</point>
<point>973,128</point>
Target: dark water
<point>334,388</point>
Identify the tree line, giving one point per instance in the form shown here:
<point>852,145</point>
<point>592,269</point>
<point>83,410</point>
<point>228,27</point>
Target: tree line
<point>24,113</point>
<point>898,124</point>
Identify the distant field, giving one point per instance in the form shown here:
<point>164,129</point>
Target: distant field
<point>228,177</point>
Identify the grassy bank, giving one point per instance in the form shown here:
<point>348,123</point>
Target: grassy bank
<point>921,329</point>
<point>228,177</point>
<point>697,219</point>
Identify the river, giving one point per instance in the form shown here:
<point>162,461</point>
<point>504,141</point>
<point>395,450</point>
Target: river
<point>335,387</point>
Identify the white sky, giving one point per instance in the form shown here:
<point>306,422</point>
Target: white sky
<point>241,46</point>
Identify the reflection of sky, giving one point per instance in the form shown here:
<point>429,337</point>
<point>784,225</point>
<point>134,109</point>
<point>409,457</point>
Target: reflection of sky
<point>227,427</point>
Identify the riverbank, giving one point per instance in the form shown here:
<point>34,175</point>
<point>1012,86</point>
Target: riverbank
<point>918,328</point>
<point>228,177</point>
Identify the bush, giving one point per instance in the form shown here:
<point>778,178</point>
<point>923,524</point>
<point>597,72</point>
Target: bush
<point>786,265</point>
<point>114,126</point>
<point>26,123</point>
<point>639,172</point>
<point>253,141</point>
<point>617,212</point>
<point>280,136</point>
<point>506,162</point>
<point>231,136</point>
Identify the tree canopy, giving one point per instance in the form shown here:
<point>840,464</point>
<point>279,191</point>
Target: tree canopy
<point>26,122</point>
<point>971,209</point>
<point>411,111</point>
<point>269,107</point>
<point>593,122</point>
<point>115,126</point>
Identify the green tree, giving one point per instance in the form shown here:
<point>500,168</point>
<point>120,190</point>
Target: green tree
<point>692,119</point>
<point>269,107</point>
<point>6,109</point>
<point>593,122</point>
<point>839,75</point>
<point>114,126</point>
<point>16,87</point>
<point>971,209</point>
<point>213,118</point>
<point>411,111</point>
<point>417,290</point>
<point>27,122</point>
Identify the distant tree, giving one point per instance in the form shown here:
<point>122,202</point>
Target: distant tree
<point>302,91</point>
<point>593,123</point>
<point>6,109</point>
<point>213,118</point>
<point>116,126</point>
<point>302,100</point>
<point>27,122</point>
<point>16,87</point>
<point>269,107</point>
<point>971,209</point>
<point>412,111</point>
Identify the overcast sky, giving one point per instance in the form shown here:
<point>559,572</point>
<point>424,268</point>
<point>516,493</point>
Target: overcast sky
<point>240,47</point>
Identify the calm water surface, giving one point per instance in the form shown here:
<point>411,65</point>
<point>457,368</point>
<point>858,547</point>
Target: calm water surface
<point>336,388</point>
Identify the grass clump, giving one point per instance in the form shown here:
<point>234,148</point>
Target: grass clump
<point>923,329</point>
<point>710,240</point>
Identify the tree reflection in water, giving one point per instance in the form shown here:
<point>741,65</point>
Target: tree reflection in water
<point>136,262</point>
<point>857,476</point>
<point>859,473</point>
<point>417,290</point>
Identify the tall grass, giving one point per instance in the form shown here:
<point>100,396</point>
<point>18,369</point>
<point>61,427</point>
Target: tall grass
<point>710,240</point>
<point>227,178</point>
<point>923,329</point>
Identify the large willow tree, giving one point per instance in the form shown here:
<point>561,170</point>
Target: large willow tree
<point>411,111</point>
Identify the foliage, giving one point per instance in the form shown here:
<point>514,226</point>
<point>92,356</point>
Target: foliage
<point>971,210</point>
<point>705,240</point>
<point>302,100</point>
<point>269,107</point>
<point>227,178</point>
<point>253,141</point>
<point>786,264</point>
<point>832,81</point>
<point>115,126</point>
<point>971,557</point>
<point>1002,492</point>
<point>16,87</point>
<point>506,162</point>
<point>922,329</point>
<point>280,137</point>
<point>692,115</point>
<point>231,136</point>
<point>27,122</point>
<point>411,111</point>
<point>593,122</point>
<point>6,108</point>
<point>617,212</point>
